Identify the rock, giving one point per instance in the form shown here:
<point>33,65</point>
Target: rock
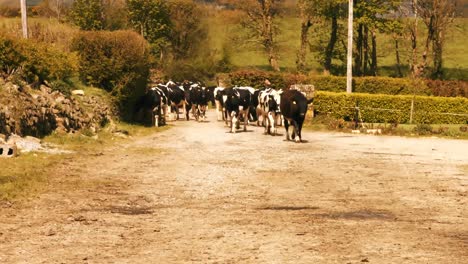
<point>78,92</point>
<point>26,144</point>
<point>2,139</point>
<point>8,150</point>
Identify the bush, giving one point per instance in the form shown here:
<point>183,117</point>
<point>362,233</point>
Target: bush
<point>448,88</point>
<point>116,61</point>
<point>392,86</point>
<point>393,109</point>
<point>423,129</point>
<point>256,78</point>
<point>34,62</point>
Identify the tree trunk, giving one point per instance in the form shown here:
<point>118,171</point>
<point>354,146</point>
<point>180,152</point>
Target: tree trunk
<point>365,47</point>
<point>373,68</point>
<point>268,34</point>
<point>414,40</point>
<point>397,54</point>
<point>301,56</point>
<point>437,47</point>
<point>359,57</point>
<point>331,44</point>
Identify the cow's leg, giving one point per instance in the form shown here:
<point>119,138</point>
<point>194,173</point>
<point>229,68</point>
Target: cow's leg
<point>246,118</point>
<point>183,108</point>
<point>271,121</point>
<point>194,111</point>
<point>219,113</point>
<point>234,120</point>
<point>164,114</point>
<point>299,131</point>
<point>187,110</point>
<point>295,131</point>
<point>175,109</point>
<point>202,111</point>
<point>259,114</point>
<point>286,126</point>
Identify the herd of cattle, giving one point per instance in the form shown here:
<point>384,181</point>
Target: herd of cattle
<point>233,105</point>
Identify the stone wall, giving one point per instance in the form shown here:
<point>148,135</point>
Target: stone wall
<point>24,111</point>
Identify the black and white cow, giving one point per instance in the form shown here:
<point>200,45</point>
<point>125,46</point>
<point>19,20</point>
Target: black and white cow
<point>198,99</point>
<point>237,103</point>
<point>294,108</point>
<point>175,95</point>
<point>153,103</point>
<point>218,93</point>
<point>269,108</point>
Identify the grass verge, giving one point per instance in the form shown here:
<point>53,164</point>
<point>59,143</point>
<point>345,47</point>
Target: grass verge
<point>450,131</point>
<point>30,174</point>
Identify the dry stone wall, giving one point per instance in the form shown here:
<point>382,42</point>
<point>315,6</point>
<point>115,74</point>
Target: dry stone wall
<point>40,112</point>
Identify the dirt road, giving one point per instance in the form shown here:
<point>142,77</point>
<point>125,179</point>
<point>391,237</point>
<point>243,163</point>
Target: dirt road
<point>197,194</point>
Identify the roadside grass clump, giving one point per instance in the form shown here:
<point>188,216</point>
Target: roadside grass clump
<point>25,175</point>
<point>423,129</point>
<point>33,173</point>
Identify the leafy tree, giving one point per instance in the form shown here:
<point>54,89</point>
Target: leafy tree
<point>115,14</point>
<point>87,14</point>
<point>307,11</point>
<point>326,16</point>
<point>437,16</point>
<point>151,19</point>
<point>259,21</point>
<point>188,28</point>
<point>371,16</point>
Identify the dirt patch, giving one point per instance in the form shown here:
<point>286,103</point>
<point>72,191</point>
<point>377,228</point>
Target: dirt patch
<point>195,193</point>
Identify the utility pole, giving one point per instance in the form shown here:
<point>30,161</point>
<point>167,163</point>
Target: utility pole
<point>349,68</point>
<point>24,18</point>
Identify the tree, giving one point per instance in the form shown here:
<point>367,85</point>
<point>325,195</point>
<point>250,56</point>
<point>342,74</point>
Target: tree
<point>188,29</point>
<point>115,14</point>
<point>437,16</point>
<point>328,32</point>
<point>306,13</point>
<point>87,14</point>
<point>151,19</point>
<point>259,21</point>
<point>371,16</point>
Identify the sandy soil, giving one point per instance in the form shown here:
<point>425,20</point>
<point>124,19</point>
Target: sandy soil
<point>197,194</point>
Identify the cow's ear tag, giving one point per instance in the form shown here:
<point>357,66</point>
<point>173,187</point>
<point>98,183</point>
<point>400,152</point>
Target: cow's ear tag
<point>294,102</point>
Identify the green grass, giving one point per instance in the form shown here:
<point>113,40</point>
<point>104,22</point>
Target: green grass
<point>29,173</point>
<point>25,175</point>
<point>452,131</point>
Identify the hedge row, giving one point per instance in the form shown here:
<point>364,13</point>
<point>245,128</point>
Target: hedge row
<point>393,108</point>
<point>256,78</point>
<point>372,85</point>
<point>392,86</point>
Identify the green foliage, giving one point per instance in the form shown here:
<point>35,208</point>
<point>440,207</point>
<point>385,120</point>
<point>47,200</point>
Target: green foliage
<point>10,55</point>
<point>448,88</point>
<point>423,129</point>
<point>393,108</point>
<point>188,29</point>
<point>117,61</point>
<point>392,86</point>
<point>151,19</point>
<point>87,14</point>
<point>256,78</point>
<point>34,62</point>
